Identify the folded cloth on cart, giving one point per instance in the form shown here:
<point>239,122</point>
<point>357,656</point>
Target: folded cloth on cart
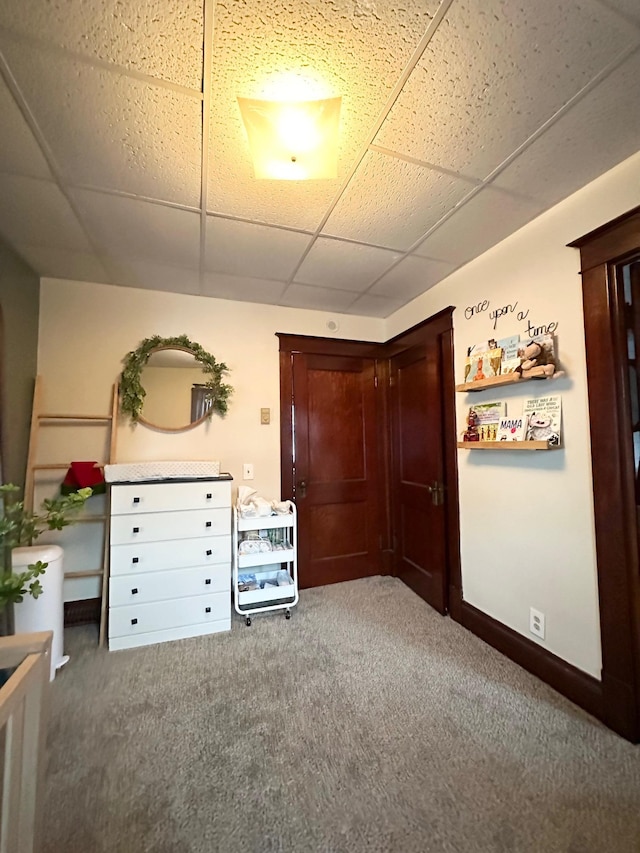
<point>252,505</point>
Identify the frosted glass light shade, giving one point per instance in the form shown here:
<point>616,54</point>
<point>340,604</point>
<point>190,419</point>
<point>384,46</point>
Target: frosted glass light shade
<point>292,140</point>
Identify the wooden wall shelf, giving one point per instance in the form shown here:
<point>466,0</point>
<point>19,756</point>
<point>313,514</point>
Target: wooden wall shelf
<point>492,382</point>
<point>506,445</point>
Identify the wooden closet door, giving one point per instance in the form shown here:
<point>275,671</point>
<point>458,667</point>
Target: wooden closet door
<point>336,478</point>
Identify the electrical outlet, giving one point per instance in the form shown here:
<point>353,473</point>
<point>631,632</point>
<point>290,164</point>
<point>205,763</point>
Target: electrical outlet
<point>247,471</point>
<point>536,623</point>
<point>265,416</point>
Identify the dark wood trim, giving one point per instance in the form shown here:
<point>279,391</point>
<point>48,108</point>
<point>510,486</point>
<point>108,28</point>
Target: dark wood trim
<point>84,612</point>
<point>576,685</point>
<point>286,425</point>
<point>451,472</point>
<point>613,466</point>
<point>610,242</point>
<point>406,337</point>
<point>328,346</point>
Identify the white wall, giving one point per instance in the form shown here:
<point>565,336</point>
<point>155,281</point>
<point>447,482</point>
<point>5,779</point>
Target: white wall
<point>526,519</point>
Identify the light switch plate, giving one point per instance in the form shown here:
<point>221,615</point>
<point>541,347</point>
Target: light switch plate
<point>265,416</point>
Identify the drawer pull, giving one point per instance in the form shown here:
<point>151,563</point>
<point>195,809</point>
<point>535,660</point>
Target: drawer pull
<point>134,621</point>
<point>208,581</point>
<point>134,591</point>
<point>207,610</point>
<point>209,496</point>
<point>136,530</point>
<point>209,552</point>
<point>135,560</point>
<point>208,524</point>
<point>136,500</point>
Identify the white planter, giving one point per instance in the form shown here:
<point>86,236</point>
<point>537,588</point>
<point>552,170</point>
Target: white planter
<point>45,613</point>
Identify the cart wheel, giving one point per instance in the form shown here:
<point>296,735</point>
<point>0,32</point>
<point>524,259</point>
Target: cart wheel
<point>287,614</point>
<point>248,621</point>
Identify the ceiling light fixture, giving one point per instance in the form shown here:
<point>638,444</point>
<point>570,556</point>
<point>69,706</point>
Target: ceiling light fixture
<point>292,140</point>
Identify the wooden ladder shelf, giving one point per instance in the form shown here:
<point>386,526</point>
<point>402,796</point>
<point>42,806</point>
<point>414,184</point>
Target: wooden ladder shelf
<point>39,420</point>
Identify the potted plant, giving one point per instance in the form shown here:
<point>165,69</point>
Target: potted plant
<point>20,527</point>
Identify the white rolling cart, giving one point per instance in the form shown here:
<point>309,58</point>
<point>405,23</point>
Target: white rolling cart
<point>265,575</point>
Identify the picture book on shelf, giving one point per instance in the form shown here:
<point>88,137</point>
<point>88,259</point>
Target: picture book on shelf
<point>487,359</point>
<point>511,429</point>
<point>543,419</point>
<point>488,416</point>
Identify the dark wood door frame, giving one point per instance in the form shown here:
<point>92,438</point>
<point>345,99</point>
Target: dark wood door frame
<point>601,252</point>
<point>382,353</point>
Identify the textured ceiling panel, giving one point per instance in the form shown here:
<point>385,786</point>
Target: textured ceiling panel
<point>482,89</point>
<point>347,266</point>
<point>317,298</point>
<point>63,263</point>
<point>19,152</point>
<point>596,134</point>
<point>110,131</point>
<point>411,277</point>
<point>36,213</point>
<point>353,48</point>
<point>154,276</point>
<point>393,203</point>
<point>480,223</point>
<point>626,7</point>
<point>157,37</point>
<point>136,229</point>
<point>255,251</point>
<point>369,305</point>
<point>242,288</point>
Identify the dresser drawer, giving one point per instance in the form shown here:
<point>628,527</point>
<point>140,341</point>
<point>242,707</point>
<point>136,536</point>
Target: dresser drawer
<point>132,619</point>
<point>143,557</point>
<point>172,584</point>
<point>161,526</point>
<point>158,497</point>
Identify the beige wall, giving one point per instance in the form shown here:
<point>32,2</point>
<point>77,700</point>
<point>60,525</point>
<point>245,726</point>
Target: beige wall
<point>526,519</point>
<point>19,300</point>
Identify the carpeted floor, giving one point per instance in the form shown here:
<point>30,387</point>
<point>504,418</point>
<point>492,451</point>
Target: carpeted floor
<point>366,723</point>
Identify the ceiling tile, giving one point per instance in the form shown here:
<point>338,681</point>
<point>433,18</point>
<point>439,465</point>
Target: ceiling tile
<point>256,251</point>
<point>347,266</point>
<point>410,278</point>
<point>317,298</point>
<point>131,228</point>
<point>63,263</point>
<point>393,203</point>
<point>369,305</point>
<point>241,288</point>
<point>158,37</point>
<point>36,213</point>
<point>626,7</point>
<point>110,131</point>
<point>19,153</point>
<point>597,133</point>
<point>352,48</point>
<point>480,223</point>
<point>493,73</point>
<point>154,276</point>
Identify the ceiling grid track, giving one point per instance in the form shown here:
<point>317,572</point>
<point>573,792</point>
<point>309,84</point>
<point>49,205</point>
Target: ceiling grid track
<point>207,52</point>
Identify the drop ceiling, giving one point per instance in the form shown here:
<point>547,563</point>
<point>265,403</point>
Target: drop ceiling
<point>123,158</point>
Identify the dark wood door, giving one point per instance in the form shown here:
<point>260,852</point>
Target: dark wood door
<point>335,461</point>
<point>417,471</point>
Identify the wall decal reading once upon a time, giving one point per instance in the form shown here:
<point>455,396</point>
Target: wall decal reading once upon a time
<point>504,311</point>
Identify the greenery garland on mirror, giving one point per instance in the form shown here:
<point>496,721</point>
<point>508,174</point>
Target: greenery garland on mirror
<point>132,392</point>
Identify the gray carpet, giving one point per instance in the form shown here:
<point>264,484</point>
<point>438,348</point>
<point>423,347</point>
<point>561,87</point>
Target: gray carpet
<point>366,723</point>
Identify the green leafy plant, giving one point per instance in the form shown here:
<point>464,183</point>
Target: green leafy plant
<point>20,527</point>
<point>132,392</point>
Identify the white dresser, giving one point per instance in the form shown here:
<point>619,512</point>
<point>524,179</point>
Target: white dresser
<point>170,561</point>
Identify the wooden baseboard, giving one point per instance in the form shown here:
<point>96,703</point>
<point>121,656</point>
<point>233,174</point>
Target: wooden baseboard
<point>580,688</point>
<point>82,612</point>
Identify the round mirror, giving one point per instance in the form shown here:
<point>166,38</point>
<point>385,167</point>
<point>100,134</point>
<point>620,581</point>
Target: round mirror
<point>176,395</point>
<point>172,384</point>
